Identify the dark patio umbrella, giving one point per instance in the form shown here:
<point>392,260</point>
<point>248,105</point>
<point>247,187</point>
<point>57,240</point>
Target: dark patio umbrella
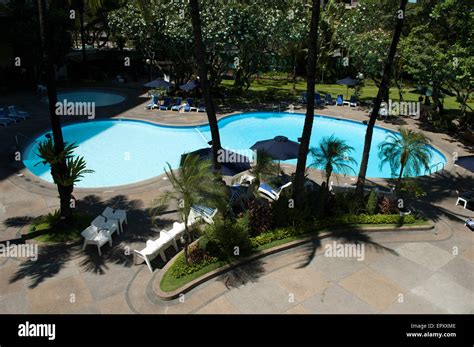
<point>158,83</point>
<point>187,87</point>
<point>348,82</point>
<point>232,164</point>
<point>279,148</point>
<point>466,162</point>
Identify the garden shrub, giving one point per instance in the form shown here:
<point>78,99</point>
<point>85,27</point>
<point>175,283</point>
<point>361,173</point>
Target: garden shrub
<point>260,217</point>
<point>370,219</point>
<point>224,236</point>
<point>180,268</point>
<point>372,202</point>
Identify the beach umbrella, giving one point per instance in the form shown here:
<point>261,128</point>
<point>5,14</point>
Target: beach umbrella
<point>231,165</point>
<point>348,82</point>
<point>279,148</point>
<point>158,83</point>
<point>466,162</point>
<point>187,87</point>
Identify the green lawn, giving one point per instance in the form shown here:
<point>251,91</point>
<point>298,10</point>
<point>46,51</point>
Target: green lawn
<point>42,230</point>
<point>281,90</point>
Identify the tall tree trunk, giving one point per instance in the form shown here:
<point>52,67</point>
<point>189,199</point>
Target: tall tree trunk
<point>308,123</point>
<point>383,90</point>
<point>83,32</point>
<point>200,55</point>
<point>402,168</point>
<point>64,196</point>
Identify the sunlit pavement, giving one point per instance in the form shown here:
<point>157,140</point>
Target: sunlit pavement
<point>425,274</point>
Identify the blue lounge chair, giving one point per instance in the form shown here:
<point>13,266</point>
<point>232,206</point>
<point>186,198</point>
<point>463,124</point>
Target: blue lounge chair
<point>318,100</point>
<point>177,104</point>
<point>166,104</point>
<point>17,114</point>
<point>206,213</point>
<point>353,102</point>
<point>190,101</point>
<point>153,103</point>
<point>201,107</point>
<point>329,99</point>
<point>340,100</point>
<point>272,192</point>
<point>304,98</point>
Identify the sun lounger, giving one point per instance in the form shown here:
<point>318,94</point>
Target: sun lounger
<point>470,223</point>
<point>7,118</point>
<point>318,100</point>
<point>93,236</point>
<point>206,213</point>
<point>272,192</point>
<point>329,100</point>
<point>153,248</point>
<point>465,198</point>
<point>153,104</point>
<point>119,215</point>
<point>177,104</point>
<point>304,98</point>
<point>201,107</point>
<point>17,114</point>
<point>166,104</point>
<point>353,102</point>
<point>339,100</point>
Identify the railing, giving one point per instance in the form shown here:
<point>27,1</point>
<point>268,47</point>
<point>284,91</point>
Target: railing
<point>435,167</point>
<point>202,136</point>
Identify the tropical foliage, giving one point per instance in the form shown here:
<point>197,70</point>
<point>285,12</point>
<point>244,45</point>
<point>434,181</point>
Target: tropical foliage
<point>407,154</point>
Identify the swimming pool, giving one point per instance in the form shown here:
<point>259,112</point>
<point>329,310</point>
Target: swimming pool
<point>125,151</point>
<point>99,98</point>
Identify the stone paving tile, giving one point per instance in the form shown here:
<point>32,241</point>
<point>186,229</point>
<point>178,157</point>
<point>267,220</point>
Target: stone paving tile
<point>468,254</point>
<point>113,281</point>
<point>453,244</point>
<point>261,297</point>
<point>7,273</point>
<point>401,270</point>
<point>114,304</point>
<point>219,306</point>
<point>425,254</point>
<point>54,296</point>
<point>372,287</point>
<point>302,283</point>
<point>413,304</point>
<point>298,309</point>
<point>336,300</point>
<point>446,294</point>
<point>13,303</point>
<point>460,271</point>
<point>336,268</point>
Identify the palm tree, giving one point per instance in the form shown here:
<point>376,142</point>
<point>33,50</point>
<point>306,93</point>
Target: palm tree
<point>407,152</point>
<point>64,179</point>
<point>193,184</point>
<point>200,54</point>
<point>264,167</point>
<point>308,123</point>
<point>333,155</point>
<point>61,165</point>
<point>383,90</point>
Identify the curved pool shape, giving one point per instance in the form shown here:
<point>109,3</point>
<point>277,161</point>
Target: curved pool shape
<point>125,151</point>
<point>100,98</point>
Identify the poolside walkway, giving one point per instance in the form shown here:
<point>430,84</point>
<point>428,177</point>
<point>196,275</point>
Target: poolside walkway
<point>432,271</point>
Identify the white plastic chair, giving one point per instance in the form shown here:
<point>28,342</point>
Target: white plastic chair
<point>153,248</point>
<point>272,193</point>
<point>92,236</point>
<point>110,226</point>
<point>119,215</point>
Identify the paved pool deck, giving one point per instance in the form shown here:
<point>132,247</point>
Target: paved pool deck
<point>408,273</point>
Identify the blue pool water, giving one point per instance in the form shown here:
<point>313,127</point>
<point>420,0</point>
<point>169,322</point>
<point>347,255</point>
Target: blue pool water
<point>124,151</point>
<point>100,98</point>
